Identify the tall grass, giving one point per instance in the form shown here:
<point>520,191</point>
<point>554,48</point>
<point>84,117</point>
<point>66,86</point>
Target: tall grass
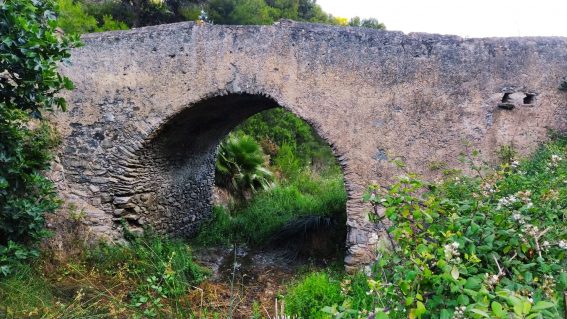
<point>269,211</point>
<point>146,278</point>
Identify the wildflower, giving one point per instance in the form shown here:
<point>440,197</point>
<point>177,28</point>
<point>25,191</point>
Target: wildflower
<point>529,205</point>
<point>507,201</point>
<point>491,280</point>
<point>459,312</point>
<point>488,189</point>
<point>345,286</point>
<point>531,230</point>
<point>525,196</point>
<point>451,251</point>
<point>562,244</point>
<point>555,159</point>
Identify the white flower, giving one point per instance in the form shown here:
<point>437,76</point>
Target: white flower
<point>562,244</point>
<point>529,205</point>
<point>506,201</point>
<point>555,159</point>
<point>531,230</point>
<point>451,251</point>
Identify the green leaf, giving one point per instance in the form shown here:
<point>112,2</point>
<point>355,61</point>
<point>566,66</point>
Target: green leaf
<point>497,309</point>
<point>480,312</point>
<point>381,315</point>
<point>526,307</point>
<point>463,300</point>
<point>541,305</point>
<point>445,314</point>
<point>420,309</point>
<point>473,283</point>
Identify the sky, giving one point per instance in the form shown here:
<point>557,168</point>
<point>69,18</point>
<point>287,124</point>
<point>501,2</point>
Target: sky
<point>466,18</point>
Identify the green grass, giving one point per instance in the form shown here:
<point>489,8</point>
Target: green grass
<point>24,291</point>
<point>169,260</point>
<point>308,296</point>
<point>148,277</point>
<point>269,211</point>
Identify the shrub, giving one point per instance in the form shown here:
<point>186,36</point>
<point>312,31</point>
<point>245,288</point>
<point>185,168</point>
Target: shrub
<point>489,246</point>
<point>308,297</point>
<point>294,141</point>
<point>74,19</point>
<point>240,165</point>
<point>30,49</point>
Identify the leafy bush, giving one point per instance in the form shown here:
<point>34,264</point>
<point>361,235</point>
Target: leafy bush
<point>30,49</point>
<point>309,296</point>
<point>489,246</point>
<point>288,140</point>
<point>240,165</point>
<point>74,19</point>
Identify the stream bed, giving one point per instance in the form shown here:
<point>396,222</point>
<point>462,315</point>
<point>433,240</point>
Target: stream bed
<point>244,278</point>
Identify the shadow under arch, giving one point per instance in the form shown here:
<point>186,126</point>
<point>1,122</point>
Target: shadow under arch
<point>178,163</point>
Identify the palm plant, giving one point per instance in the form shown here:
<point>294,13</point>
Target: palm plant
<point>240,166</point>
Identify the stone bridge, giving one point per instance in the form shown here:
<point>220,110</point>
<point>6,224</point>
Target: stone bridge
<point>151,105</point>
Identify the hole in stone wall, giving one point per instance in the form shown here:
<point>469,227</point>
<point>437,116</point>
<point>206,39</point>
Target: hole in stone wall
<point>530,98</point>
<point>292,164</point>
<point>506,98</point>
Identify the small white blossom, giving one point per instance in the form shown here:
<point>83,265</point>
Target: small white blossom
<point>531,230</point>
<point>529,205</point>
<point>452,252</point>
<point>562,244</point>
<point>555,159</point>
<point>507,201</point>
<point>459,312</point>
<point>491,280</point>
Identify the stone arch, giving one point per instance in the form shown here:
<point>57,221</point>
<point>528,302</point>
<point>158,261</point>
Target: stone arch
<point>172,170</point>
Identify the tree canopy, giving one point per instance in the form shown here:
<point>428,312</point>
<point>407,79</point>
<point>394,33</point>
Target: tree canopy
<point>116,14</point>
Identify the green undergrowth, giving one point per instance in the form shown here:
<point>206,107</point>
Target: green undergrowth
<point>490,245</point>
<point>267,212</point>
<point>147,278</point>
<point>311,293</point>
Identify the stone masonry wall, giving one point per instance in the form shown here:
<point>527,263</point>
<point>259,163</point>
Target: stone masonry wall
<point>151,105</point>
